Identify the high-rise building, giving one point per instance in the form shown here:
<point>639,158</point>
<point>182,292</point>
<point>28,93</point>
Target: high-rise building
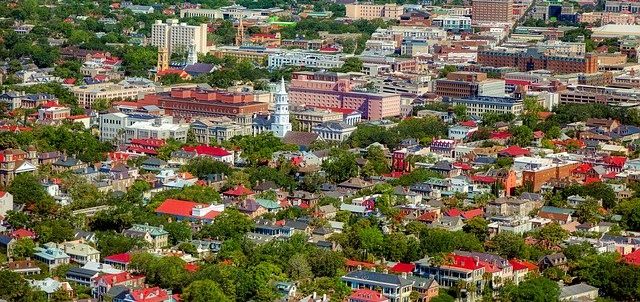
<point>370,11</point>
<point>492,10</point>
<point>281,124</point>
<point>177,37</point>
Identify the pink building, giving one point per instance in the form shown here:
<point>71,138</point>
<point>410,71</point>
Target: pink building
<point>335,90</point>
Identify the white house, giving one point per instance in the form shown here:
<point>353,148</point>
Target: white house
<point>6,203</point>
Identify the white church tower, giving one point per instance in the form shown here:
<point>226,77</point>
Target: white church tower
<point>192,55</point>
<point>281,125</point>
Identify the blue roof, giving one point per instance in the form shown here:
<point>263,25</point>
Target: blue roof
<point>5,240</point>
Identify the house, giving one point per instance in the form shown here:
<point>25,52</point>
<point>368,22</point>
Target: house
<point>427,288</point>
<point>6,203</point>
<point>251,208</point>
<point>80,252</point>
<point>446,169</point>
<point>366,295</point>
<point>237,193</point>
<point>355,184</point>
<point>51,286</point>
<point>217,153</point>
<point>505,206</point>
<point>51,255</point>
<point>514,151</point>
<point>521,269</point>
<point>286,289</point>
<point>68,164</point>
<point>553,260</point>
<point>327,211</point>
<point>578,292</point>
<point>154,164</point>
<point>394,287</point>
<point>603,125</point>
<point>85,236</point>
<point>119,261</point>
<point>157,237</point>
<point>499,268</point>
<point>455,269</point>
<point>103,283</point>
<point>81,275</point>
<point>272,206</point>
<point>559,215</point>
<point>24,267</point>
<point>7,242</point>
<point>190,211</point>
<point>152,294</point>
<point>448,223</point>
<point>14,162</point>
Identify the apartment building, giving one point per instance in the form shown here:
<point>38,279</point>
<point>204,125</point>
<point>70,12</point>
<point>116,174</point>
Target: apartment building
<point>482,104</point>
<point>619,6</point>
<point>159,128</point>
<point>112,125</point>
<point>457,268</point>
<point>369,11</point>
<point>305,59</point>
<point>178,37</point>
<point>336,90</point>
<point>533,59</point>
<point>492,11</point>
<point>464,84</point>
<point>535,178</point>
<point>88,94</point>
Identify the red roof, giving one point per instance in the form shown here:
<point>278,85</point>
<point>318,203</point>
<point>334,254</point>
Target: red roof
<point>181,73</point>
<point>137,149</point>
<point>472,213</point>
<point>77,117</point>
<point>49,104</point>
<point>12,128</point>
<point>114,279</point>
<point>123,258</point>
<point>356,263</point>
<point>153,294</point>
<point>543,115</point>
<point>611,175</point>
<point>2,193</point>
<point>632,258</point>
<point>590,180</point>
<point>519,265</point>
<point>514,151</point>
<point>583,168</point>
<point>207,150</point>
<point>453,212</point>
<point>483,179</point>
<point>367,295</point>
<point>465,262</point>
<point>238,191</point>
<point>192,267</point>
<point>463,166</point>
<point>183,208</point>
<point>617,161</point>
<point>468,124</point>
<point>403,267</point>
<point>428,216</point>
<point>23,233</point>
<point>148,142</point>
<point>538,134</point>
<point>500,135</point>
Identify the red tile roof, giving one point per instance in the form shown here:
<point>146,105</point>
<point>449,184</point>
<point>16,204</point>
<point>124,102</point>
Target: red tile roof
<point>153,294</point>
<point>183,208</point>
<point>472,213</point>
<point>23,233</point>
<point>356,263</point>
<point>238,191</point>
<point>464,262</point>
<point>617,161</point>
<point>207,150</point>
<point>522,264</point>
<point>403,267</point>
<point>114,279</point>
<point>500,135</point>
<point>453,212</point>
<point>632,258</point>
<point>428,216</point>
<point>483,179</point>
<point>538,134</point>
<point>462,166</point>
<point>123,258</point>
<point>514,151</point>
<point>148,142</point>
<point>590,180</point>
<point>137,149</point>
<point>583,168</point>
<point>468,124</point>
<point>367,295</point>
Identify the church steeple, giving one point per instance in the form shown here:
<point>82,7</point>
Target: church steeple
<point>240,33</point>
<point>280,124</point>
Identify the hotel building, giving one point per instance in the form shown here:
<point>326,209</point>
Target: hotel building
<point>178,37</point>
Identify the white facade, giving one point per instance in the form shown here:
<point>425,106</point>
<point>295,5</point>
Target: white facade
<point>6,203</point>
<point>87,94</point>
<point>305,59</point>
<point>112,125</point>
<point>177,37</point>
<point>281,124</point>
<point>334,131</point>
<point>459,132</point>
<point>158,128</point>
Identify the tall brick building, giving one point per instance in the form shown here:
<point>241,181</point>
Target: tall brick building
<point>532,59</point>
<point>537,177</point>
<point>336,90</point>
<point>192,102</point>
<point>492,10</point>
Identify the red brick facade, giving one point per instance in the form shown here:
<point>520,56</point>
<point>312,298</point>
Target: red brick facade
<point>526,61</point>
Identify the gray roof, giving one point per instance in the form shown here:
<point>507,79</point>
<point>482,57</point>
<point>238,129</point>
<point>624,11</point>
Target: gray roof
<point>375,277</point>
<point>567,292</point>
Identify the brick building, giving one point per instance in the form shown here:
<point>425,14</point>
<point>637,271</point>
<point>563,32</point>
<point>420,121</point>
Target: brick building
<point>492,10</point>
<point>535,178</point>
<point>463,84</point>
<point>370,11</point>
<point>336,90</point>
<point>532,59</point>
<point>190,102</point>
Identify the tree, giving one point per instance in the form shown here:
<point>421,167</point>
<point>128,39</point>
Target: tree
<point>447,69</point>
<point>204,291</point>
<point>521,135</point>
<point>616,279</point>
<point>630,211</point>
<point>341,165</point>
<point>477,226</point>
<point>24,247</point>
<point>351,64</point>
<point>508,245</point>
<point>376,161</point>
<point>325,263</point>
<point>298,267</point>
<point>553,133</point>
<point>229,224</point>
<point>461,112</point>
<point>205,166</point>
<point>551,234</point>
<point>587,211</point>
<point>178,231</point>
<point>538,289</point>
<point>435,241</point>
<point>370,239</point>
<point>15,288</point>
<point>26,189</point>
<point>443,297</point>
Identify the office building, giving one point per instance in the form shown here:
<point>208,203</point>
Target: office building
<point>492,11</point>
<point>532,59</point>
<point>336,90</point>
<point>88,94</point>
<point>178,37</point>
<point>463,84</point>
<point>305,59</point>
<point>370,11</point>
<point>159,128</point>
<point>112,125</point>
<point>482,104</point>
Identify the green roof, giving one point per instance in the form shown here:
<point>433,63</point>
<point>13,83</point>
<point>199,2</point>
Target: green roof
<point>152,230</point>
<point>268,204</point>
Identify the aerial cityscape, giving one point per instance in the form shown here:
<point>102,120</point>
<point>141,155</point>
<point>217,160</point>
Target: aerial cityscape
<point>319,150</point>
